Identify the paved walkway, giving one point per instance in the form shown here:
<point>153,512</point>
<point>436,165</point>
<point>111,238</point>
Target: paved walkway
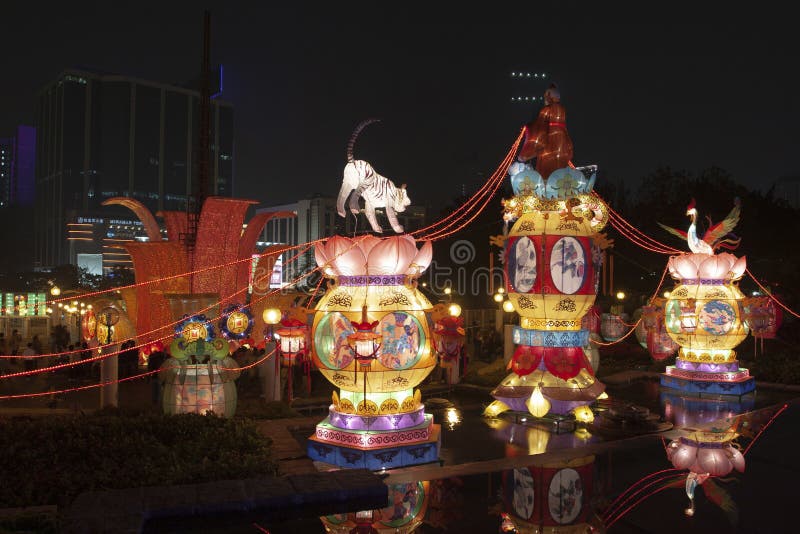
<point>292,459</point>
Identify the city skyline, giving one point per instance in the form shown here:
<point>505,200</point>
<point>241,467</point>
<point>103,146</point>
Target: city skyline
<point>672,91</point>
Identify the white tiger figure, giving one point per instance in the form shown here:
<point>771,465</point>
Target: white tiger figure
<point>376,190</point>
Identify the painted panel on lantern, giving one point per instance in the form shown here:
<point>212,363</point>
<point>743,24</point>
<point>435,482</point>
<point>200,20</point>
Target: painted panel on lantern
<point>330,341</point>
<point>568,265</point>
<point>717,317</point>
<point>405,502</point>
<point>523,492</point>
<point>403,339</point>
<point>565,497</point>
<point>522,265</point>
<point>673,316</point>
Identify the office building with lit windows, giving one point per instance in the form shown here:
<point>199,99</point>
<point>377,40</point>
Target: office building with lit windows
<point>17,161</point>
<point>104,135</point>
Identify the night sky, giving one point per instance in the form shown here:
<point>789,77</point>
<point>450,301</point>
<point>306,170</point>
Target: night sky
<point>641,89</point>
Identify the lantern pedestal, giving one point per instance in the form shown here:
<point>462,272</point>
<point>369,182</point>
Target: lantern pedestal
<point>730,383</point>
<point>376,449</point>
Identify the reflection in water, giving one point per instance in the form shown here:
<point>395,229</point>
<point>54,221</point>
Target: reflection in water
<point>701,456</point>
<point>452,417</point>
<point>404,513</point>
<point>692,411</point>
<point>549,496</point>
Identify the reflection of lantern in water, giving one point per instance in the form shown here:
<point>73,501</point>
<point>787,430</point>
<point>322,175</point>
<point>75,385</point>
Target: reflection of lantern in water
<point>552,261</point>
<point>405,512</point>
<point>705,454</point>
<point>703,316</point>
<point>550,496</point>
<point>371,339</point>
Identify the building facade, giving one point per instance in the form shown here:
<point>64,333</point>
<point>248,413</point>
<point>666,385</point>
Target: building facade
<point>108,135</point>
<point>17,164</point>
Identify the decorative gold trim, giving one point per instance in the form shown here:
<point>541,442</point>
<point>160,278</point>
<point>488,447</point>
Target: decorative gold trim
<point>549,324</point>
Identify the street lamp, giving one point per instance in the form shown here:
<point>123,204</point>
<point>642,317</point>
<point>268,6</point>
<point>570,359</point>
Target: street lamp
<point>292,336</point>
<point>271,316</point>
<point>110,317</point>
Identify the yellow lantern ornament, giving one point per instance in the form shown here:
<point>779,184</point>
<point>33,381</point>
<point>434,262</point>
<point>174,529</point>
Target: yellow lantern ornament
<point>371,338</point>
<point>703,313</point>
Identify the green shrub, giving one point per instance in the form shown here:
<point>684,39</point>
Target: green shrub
<point>51,460</point>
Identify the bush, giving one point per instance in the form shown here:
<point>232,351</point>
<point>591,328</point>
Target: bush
<point>51,460</point>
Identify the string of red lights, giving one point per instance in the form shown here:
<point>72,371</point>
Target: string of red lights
<point>638,487</point>
<point>489,187</point>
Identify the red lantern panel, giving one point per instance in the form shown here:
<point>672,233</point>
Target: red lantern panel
<point>549,265</point>
<point>526,359</point>
<point>565,362</point>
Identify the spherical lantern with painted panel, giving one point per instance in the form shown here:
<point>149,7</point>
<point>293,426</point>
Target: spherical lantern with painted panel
<point>371,338</point>
<point>703,315</point>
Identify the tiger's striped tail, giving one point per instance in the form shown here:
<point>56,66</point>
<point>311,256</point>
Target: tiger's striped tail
<point>352,142</point>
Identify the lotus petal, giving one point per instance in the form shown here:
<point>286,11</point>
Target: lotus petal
<point>366,243</point>
<point>319,254</point>
<point>684,456</point>
<point>715,268</point>
<point>345,256</point>
<point>737,459</point>
<point>686,267</point>
<point>423,258</point>
<point>738,268</point>
<point>714,462</point>
<point>392,255</point>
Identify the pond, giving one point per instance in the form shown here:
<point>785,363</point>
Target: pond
<point>516,472</point>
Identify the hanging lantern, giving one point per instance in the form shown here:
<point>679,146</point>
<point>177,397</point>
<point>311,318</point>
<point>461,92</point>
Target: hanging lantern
<point>612,326</point>
<point>653,313</point>
<point>88,325</point>
<point>761,316</point>
<point>448,339</point>
<point>292,334</point>
<point>109,316</point>
<point>688,317</point>
<point>660,345</point>
<point>365,342</point>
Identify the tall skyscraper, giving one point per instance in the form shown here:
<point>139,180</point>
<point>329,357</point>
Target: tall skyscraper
<point>108,135</point>
<point>17,161</point>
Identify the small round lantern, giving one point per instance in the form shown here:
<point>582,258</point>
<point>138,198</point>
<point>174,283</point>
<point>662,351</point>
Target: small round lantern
<point>292,335</point>
<point>365,342</point>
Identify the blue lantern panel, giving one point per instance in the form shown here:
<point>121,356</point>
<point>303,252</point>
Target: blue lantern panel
<point>403,340</point>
